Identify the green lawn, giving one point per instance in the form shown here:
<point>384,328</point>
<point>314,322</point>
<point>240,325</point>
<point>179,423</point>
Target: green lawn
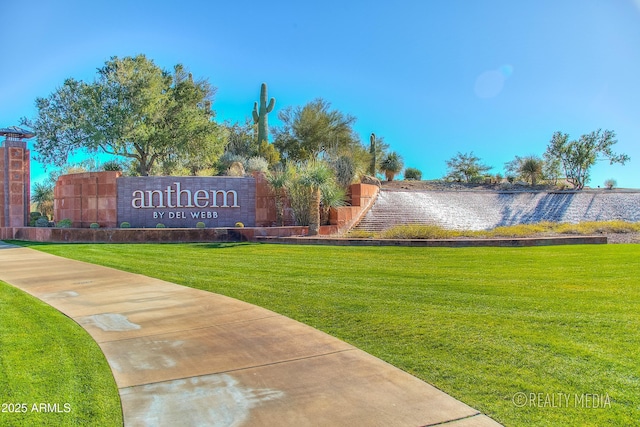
<point>482,324</point>
<point>51,372</point>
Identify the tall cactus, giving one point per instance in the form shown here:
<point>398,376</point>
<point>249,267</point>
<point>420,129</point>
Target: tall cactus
<point>260,114</point>
<point>372,151</point>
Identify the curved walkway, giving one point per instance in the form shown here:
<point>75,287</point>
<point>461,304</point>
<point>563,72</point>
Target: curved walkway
<point>182,356</point>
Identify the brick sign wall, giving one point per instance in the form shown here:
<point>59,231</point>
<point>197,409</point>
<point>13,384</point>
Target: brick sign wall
<point>185,201</point>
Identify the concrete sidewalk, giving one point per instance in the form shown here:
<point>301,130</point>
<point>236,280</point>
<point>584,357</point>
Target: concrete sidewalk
<point>182,356</point>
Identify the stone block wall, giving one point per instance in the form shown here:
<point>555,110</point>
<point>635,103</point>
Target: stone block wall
<point>88,197</point>
<point>362,197</point>
<point>266,205</point>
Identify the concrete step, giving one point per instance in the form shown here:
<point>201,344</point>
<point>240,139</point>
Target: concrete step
<point>487,209</point>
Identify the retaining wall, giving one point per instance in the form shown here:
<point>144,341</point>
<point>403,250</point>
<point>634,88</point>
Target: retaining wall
<point>146,235</point>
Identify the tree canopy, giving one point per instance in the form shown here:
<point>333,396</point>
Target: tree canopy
<point>133,109</point>
<point>578,156</point>
<point>465,167</point>
<point>310,130</point>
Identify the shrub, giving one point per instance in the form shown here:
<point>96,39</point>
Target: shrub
<point>94,225</point>
<point>125,224</point>
<point>256,164</point>
<point>64,223</point>
<point>112,165</point>
<point>42,222</point>
<point>412,174</point>
<point>200,225</point>
<point>227,159</point>
<point>160,225</point>
<point>417,231</point>
<point>239,224</point>
<point>345,170</point>
<point>236,169</point>
<point>610,183</point>
<point>34,215</point>
<point>361,234</point>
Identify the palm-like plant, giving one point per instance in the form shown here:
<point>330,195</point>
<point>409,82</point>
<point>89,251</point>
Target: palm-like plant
<point>333,195</point>
<point>531,169</point>
<point>42,196</point>
<point>391,165</point>
<point>315,175</point>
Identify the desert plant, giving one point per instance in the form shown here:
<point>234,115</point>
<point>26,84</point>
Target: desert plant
<point>160,225</point>
<point>372,151</point>
<point>256,164</point>
<point>345,170</point>
<point>418,231</point>
<point>610,183</point>
<point>64,223</point>
<point>465,167</point>
<point>300,199</point>
<point>279,180</point>
<point>125,224</point>
<point>239,225</point>
<point>314,176</point>
<point>112,165</point>
<point>412,174</point>
<point>94,225</point>
<point>391,165</point>
<point>531,169</point>
<point>236,169</point>
<point>42,222</point>
<point>227,159</point>
<point>42,196</point>
<point>200,224</point>
<point>260,112</point>
<point>333,195</point>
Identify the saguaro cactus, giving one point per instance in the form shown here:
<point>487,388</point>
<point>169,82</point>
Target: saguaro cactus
<point>372,151</point>
<point>260,114</point>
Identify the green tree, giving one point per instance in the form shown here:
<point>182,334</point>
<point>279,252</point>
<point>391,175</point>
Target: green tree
<point>313,129</point>
<point>391,165</point>
<point>42,197</point>
<point>578,156</point>
<point>465,167</point>
<point>133,109</point>
<point>241,139</point>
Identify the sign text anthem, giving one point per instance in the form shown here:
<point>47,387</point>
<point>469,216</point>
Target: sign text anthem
<point>175,197</point>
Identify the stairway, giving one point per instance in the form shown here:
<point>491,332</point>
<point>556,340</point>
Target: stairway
<point>479,210</point>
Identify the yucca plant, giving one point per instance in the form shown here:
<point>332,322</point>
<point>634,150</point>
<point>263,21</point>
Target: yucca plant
<point>391,165</point>
<point>314,176</point>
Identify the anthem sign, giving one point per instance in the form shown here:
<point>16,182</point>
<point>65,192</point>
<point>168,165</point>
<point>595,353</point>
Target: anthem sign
<point>185,201</point>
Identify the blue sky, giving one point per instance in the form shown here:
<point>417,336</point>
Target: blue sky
<point>433,77</point>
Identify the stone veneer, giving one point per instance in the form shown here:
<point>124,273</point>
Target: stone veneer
<point>14,184</point>
<point>85,198</point>
<point>478,210</point>
<point>219,201</point>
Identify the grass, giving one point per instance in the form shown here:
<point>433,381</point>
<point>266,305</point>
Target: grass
<point>418,231</point>
<point>46,358</point>
<point>482,324</point>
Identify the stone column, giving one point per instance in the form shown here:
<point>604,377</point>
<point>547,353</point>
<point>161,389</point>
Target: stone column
<point>14,183</point>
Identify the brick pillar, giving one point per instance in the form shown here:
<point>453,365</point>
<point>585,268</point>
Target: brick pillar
<point>14,183</point>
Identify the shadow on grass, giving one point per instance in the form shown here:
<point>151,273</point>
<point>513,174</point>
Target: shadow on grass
<point>212,245</point>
